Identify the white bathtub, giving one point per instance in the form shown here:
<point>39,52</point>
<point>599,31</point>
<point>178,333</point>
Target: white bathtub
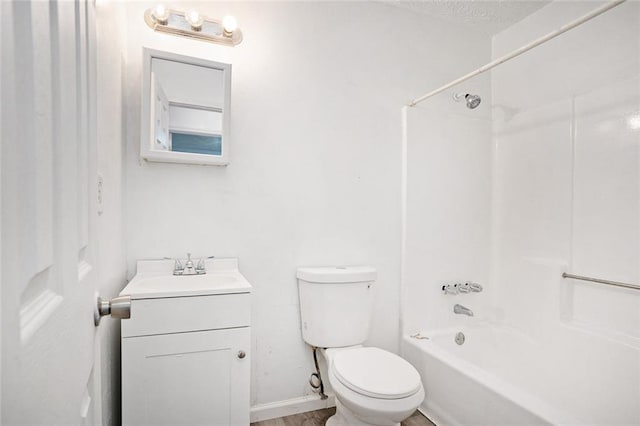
<point>500,376</point>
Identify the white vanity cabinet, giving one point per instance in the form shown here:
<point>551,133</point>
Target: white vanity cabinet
<point>185,349</point>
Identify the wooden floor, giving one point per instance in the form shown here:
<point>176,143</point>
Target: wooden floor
<point>319,417</point>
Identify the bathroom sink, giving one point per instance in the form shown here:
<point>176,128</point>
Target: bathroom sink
<point>155,279</point>
<point>193,281</point>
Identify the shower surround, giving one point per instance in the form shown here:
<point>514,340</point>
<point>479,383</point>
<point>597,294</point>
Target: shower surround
<point>542,178</point>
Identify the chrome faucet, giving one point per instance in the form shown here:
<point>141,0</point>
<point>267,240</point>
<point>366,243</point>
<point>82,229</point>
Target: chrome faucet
<point>189,268</point>
<point>459,309</point>
<point>462,288</point>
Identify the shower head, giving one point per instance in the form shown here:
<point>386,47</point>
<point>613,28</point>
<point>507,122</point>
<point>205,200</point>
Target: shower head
<point>472,101</point>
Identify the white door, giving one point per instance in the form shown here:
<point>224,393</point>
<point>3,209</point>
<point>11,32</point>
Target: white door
<point>48,177</point>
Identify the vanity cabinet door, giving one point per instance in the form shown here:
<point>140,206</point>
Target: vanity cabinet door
<point>195,378</point>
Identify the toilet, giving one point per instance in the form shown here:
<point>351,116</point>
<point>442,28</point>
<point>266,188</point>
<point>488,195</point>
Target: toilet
<point>372,386</point>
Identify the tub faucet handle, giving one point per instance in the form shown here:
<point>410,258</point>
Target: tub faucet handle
<point>463,287</point>
<point>474,287</point>
<point>449,289</point>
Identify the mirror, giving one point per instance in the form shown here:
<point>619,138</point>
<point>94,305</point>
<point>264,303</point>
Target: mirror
<point>185,109</point>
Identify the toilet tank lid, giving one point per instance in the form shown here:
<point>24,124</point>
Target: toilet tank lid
<point>338,274</point>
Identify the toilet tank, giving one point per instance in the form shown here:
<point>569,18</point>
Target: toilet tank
<point>335,304</point>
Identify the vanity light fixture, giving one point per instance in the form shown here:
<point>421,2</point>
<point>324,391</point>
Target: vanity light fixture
<point>194,25</point>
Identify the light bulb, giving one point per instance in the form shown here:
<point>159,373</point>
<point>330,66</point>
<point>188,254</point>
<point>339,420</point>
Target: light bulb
<point>229,25</point>
<point>160,14</point>
<point>194,19</point>
<point>633,121</point>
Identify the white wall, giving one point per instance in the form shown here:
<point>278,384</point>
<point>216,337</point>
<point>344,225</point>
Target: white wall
<point>315,170</point>
<point>447,208</point>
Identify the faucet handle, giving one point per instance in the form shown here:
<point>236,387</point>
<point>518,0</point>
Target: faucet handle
<point>200,269</point>
<point>449,289</point>
<point>474,287</point>
<point>463,287</point>
<point>178,269</point>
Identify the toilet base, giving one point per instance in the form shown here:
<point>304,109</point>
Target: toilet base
<point>345,417</point>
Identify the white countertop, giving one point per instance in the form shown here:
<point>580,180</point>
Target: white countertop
<point>155,279</point>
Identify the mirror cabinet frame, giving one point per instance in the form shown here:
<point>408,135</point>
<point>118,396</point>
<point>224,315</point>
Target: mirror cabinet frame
<point>147,125</point>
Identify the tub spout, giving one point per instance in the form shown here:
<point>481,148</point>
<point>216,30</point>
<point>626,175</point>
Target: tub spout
<point>459,309</point>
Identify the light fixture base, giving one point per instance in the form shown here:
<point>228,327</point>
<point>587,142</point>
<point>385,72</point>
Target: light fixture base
<point>210,30</point>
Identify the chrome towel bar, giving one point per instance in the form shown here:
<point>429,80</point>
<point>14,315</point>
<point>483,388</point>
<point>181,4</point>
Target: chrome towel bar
<point>601,281</point>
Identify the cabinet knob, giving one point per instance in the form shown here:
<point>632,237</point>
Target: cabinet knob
<point>241,354</point>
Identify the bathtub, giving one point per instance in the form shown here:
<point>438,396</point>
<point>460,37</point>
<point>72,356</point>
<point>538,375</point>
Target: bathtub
<point>501,376</point>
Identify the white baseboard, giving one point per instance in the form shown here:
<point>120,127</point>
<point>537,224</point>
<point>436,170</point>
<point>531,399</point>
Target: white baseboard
<point>288,407</point>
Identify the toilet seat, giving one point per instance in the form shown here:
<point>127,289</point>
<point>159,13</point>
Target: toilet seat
<point>376,373</point>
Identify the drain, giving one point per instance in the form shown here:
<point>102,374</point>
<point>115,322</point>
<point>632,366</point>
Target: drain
<point>459,337</point>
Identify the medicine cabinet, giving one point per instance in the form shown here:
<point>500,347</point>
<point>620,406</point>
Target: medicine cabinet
<point>185,109</point>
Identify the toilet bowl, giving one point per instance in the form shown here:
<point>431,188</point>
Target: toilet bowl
<point>372,386</point>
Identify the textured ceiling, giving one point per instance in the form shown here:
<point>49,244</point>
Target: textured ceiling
<point>489,17</point>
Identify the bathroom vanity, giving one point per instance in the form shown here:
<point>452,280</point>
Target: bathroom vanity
<point>185,348</point>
